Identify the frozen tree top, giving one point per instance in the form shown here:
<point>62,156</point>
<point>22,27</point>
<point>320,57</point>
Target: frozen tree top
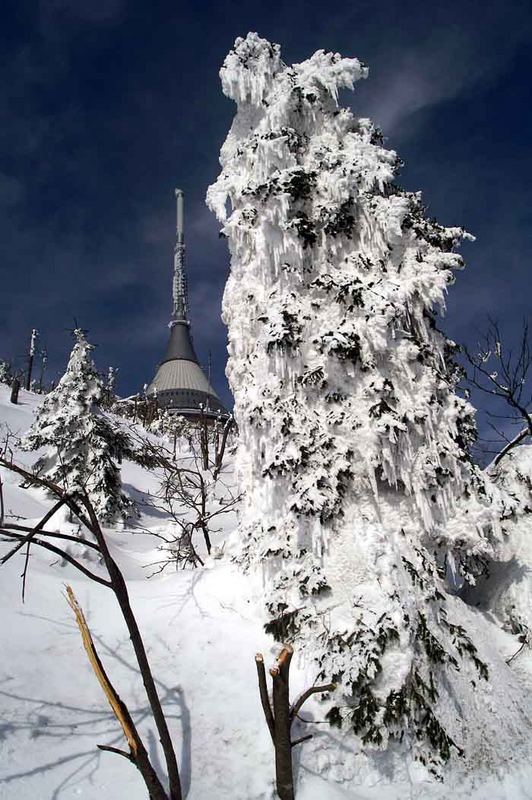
<point>248,71</point>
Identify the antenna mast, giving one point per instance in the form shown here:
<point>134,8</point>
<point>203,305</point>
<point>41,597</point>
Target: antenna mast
<point>179,288</point>
<point>31,356</point>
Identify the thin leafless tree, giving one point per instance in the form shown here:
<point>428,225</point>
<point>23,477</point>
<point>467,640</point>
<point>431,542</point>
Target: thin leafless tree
<point>193,490</point>
<point>91,535</point>
<point>280,716</point>
<point>504,374</point>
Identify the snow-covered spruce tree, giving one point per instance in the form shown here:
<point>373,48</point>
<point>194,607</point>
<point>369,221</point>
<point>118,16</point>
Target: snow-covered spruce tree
<point>6,374</point>
<point>81,445</point>
<point>109,396</point>
<point>353,443</point>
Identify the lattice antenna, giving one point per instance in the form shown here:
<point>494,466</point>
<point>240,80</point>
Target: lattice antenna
<point>179,289</point>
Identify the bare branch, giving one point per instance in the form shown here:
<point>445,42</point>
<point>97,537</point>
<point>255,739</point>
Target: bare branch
<point>137,751</point>
<point>27,539</point>
<point>523,645</point>
<point>221,452</point>
<point>263,693</point>
<point>302,739</point>
<point>302,699</point>
<point>52,534</point>
<point>2,509</point>
<point>513,443</point>
<point>38,480</point>
<point>118,707</point>
<point>62,554</point>
<point>499,373</point>
<point>116,750</point>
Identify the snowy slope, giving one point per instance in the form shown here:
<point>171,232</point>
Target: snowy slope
<point>507,590</point>
<point>202,633</point>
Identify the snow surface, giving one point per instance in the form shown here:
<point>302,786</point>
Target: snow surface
<point>507,590</point>
<point>202,632</point>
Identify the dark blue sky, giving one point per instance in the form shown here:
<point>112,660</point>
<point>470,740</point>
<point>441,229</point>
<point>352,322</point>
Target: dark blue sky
<point>106,105</point>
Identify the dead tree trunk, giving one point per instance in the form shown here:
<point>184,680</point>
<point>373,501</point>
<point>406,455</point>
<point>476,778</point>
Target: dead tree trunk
<point>204,441</point>
<point>220,449</point>
<point>282,725</point>
<point>119,588</point>
<point>31,355</point>
<point>280,715</point>
<point>138,754</point>
<point>15,389</point>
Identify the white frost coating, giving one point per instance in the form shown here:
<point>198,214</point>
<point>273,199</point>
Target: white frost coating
<point>331,72</point>
<point>33,340</point>
<point>353,444</point>
<point>249,69</point>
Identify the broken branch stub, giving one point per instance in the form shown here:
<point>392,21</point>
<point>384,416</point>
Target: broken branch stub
<point>280,715</point>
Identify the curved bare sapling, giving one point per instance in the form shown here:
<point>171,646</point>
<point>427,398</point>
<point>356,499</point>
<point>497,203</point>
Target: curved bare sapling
<point>25,537</point>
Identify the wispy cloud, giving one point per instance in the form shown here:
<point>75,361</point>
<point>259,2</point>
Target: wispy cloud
<point>101,12</point>
<point>438,56</point>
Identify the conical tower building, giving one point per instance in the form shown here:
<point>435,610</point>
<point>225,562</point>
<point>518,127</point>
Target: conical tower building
<point>180,385</point>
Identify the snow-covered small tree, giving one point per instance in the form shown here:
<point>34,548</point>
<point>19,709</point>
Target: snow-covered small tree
<point>353,444</point>
<point>109,388</point>
<point>82,449</point>
<point>6,374</point>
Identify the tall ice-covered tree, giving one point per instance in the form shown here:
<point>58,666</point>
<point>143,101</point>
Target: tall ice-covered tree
<point>353,442</point>
<point>82,449</point>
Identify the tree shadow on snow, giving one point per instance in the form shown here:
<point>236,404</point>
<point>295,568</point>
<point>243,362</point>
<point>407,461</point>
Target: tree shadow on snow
<point>61,722</point>
<point>323,740</point>
<point>144,501</point>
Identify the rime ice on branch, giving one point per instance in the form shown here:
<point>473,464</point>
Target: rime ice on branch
<point>353,443</point>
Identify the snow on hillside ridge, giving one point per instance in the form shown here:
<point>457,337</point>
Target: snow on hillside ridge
<point>507,590</point>
<point>202,634</point>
